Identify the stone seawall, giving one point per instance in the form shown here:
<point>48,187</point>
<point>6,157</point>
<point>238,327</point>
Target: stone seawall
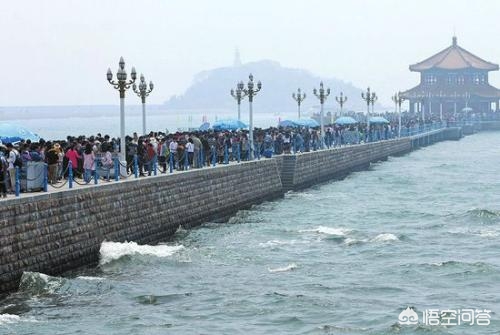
<point>56,232</point>
<point>59,231</point>
<point>303,170</point>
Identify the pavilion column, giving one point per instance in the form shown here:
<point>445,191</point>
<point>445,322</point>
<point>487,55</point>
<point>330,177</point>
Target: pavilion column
<point>412,107</point>
<point>496,106</point>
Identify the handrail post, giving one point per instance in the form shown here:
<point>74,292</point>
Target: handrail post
<point>213,157</point>
<point>96,173</point>
<point>136,167</point>
<point>171,162</point>
<point>226,154</point>
<point>18,182</point>
<point>117,169</point>
<point>45,177</point>
<point>70,174</point>
<point>239,152</point>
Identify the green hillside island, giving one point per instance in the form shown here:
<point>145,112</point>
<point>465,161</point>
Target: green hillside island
<point>210,89</point>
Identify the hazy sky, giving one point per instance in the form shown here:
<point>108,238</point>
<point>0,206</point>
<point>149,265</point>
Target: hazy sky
<point>57,52</point>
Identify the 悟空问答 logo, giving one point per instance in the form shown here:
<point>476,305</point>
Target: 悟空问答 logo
<point>408,317</point>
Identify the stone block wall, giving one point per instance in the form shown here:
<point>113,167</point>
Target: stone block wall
<point>56,232</point>
<point>313,167</point>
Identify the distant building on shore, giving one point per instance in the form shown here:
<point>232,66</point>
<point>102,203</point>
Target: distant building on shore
<point>453,81</point>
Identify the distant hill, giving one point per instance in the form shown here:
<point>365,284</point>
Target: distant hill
<point>210,89</point>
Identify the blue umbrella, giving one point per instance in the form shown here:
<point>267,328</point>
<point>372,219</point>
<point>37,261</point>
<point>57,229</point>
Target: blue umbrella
<point>378,120</point>
<point>228,124</point>
<point>299,123</point>
<point>345,120</point>
<point>204,127</point>
<point>11,133</point>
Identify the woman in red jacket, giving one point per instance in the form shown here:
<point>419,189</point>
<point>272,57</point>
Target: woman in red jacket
<point>73,156</point>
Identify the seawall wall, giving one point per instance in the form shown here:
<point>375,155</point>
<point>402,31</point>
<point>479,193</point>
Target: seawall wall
<point>56,232</point>
<point>60,231</point>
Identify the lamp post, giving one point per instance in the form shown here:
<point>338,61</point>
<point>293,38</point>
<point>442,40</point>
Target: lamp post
<point>142,93</point>
<point>341,100</point>
<point>370,98</point>
<point>299,97</point>
<point>251,91</point>
<point>121,84</point>
<point>398,100</point>
<point>322,94</point>
<point>238,95</point>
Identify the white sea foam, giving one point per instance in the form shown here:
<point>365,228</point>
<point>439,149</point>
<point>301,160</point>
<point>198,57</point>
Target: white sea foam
<point>274,243</point>
<point>386,237</point>
<point>90,278</point>
<point>488,233</point>
<point>351,241</point>
<point>289,267</point>
<point>327,231</point>
<point>9,318</point>
<point>114,250</point>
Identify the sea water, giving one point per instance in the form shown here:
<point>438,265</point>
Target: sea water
<point>418,232</point>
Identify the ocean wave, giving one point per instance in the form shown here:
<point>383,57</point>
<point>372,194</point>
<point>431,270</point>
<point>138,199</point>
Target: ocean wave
<point>151,299</point>
<point>289,267</point>
<point>385,237</point>
<point>36,283</point>
<point>303,195</point>
<point>275,243</point>
<point>9,318</point>
<point>483,213</point>
<point>111,251</point>
<point>90,278</point>
<point>352,241</point>
<point>488,233</point>
<point>327,231</point>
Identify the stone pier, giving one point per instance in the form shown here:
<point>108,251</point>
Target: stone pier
<point>60,231</point>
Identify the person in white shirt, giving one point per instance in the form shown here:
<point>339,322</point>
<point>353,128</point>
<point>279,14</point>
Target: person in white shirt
<point>11,158</point>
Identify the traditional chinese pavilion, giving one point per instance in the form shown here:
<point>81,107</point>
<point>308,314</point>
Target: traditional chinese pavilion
<point>453,81</point>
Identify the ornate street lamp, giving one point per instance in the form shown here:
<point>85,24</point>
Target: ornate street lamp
<point>398,100</point>
<point>322,95</point>
<point>142,93</point>
<point>341,100</point>
<point>251,91</point>
<point>121,84</point>
<point>299,98</point>
<point>239,95</point>
<point>370,98</point>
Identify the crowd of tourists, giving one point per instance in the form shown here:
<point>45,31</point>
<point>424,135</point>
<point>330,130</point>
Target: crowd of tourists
<point>159,152</point>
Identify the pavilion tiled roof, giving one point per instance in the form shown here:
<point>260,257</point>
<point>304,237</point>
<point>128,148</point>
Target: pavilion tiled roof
<point>482,91</point>
<point>454,58</point>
